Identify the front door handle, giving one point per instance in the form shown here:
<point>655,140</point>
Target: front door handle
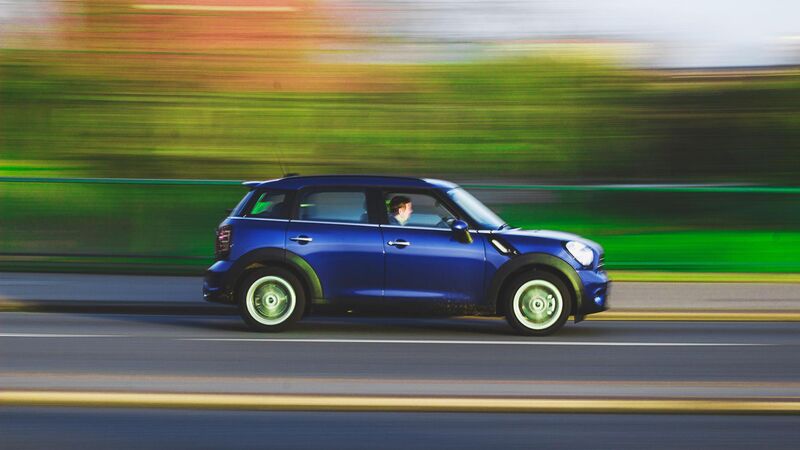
<point>400,243</point>
<point>301,239</point>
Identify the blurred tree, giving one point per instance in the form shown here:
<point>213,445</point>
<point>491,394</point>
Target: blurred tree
<point>208,89</point>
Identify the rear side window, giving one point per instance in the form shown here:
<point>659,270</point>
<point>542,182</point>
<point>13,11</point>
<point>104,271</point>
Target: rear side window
<point>334,206</point>
<point>269,205</point>
<point>238,210</point>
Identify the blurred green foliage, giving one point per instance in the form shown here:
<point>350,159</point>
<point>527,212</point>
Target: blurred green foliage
<point>675,231</point>
<point>529,120</point>
<point>538,118</point>
<point>170,228</point>
<point>172,221</point>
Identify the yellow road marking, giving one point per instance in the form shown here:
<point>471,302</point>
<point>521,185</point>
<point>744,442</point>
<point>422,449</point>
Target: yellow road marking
<point>386,403</point>
<point>214,8</point>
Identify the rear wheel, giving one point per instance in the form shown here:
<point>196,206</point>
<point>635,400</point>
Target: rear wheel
<point>537,303</point>
<point>271,299</point>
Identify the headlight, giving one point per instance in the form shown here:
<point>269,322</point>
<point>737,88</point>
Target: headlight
<point>581,252</point>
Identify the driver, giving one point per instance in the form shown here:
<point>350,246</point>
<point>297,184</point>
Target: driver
<point>400,210</point>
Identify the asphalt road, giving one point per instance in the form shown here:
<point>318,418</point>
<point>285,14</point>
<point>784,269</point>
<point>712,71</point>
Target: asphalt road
<point>265,385</point>
<point>185,292</point>
<point>36,428</point>
<point>390,356</point>
<point>206,356</point>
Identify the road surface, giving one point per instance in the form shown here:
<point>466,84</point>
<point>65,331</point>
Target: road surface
<point>183,294</point>
<point>117,379</point>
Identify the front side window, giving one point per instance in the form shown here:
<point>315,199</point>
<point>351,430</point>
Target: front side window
<point>334,206</point>
<point>269,205</point>
<point>417,210</point>
<point>479,212</point>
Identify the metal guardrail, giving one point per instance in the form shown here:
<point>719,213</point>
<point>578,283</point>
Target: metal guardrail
<point>646,188</point>
<point>103,255</point>
<point>685,188</point>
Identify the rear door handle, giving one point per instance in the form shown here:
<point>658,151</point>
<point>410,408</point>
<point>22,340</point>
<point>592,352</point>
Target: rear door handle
<point>400,243</point>
<point>301,239</point>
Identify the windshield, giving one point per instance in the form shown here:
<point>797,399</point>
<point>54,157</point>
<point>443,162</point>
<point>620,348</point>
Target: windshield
<point>477,210</point>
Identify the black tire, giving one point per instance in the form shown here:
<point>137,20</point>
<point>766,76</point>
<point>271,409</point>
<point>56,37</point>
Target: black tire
<point>262,295</point>
<point>532,303</point>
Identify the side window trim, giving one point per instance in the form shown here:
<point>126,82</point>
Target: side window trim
<point>416,227</point>
<point>327,222</point>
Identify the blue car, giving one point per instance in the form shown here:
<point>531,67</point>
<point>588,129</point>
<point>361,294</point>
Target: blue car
<point>375,243</point>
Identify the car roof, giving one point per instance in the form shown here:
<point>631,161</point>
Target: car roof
<point>299,182</point>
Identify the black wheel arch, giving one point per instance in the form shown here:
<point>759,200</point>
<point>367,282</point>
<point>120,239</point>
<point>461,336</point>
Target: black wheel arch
<point>264,257</point>
<point>536,261</point>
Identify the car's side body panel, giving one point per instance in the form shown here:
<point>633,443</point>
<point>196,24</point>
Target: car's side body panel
<point>586,285</point>
<point>254,233</point>
<point>521,263</point>
<point>433,266</point>
<point>348,258</point>
<point>222,277</point>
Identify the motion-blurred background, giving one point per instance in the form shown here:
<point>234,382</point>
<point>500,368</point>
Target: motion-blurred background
<point>667,131</point>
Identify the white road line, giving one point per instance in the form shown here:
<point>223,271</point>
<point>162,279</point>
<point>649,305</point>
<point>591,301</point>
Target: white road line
<point>37,335</point>
<point>452,342</point>
<point>404,341</point>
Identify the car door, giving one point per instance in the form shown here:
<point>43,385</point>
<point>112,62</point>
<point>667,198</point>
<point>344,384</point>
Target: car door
<point>424,260</point>
<point>331,231</point>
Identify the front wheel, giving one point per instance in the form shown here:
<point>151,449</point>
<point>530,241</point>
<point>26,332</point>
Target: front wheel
<point>537,303</point>
<point>271,299</point>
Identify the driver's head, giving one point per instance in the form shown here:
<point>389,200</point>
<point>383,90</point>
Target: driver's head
<point>400,207</point>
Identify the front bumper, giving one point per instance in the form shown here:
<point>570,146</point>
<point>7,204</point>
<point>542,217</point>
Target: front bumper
<point>596,289</point>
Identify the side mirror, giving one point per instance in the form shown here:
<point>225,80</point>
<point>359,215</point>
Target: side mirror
<point>461,231</point>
